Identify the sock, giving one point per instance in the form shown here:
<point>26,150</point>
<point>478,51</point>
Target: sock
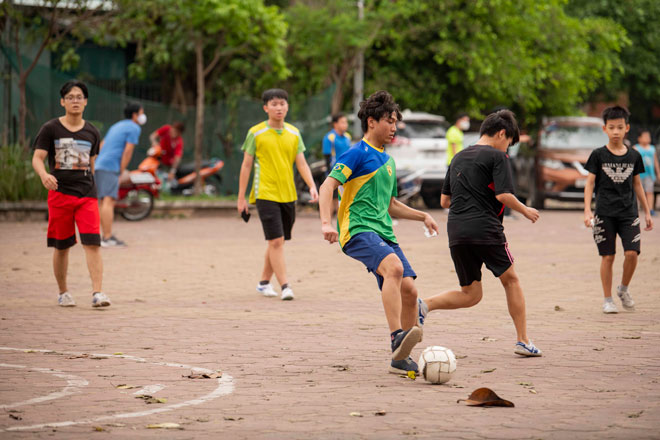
<point>395,333</point>
<point>285,285</point>
<point>608,299</point>
<point>622,288</point>
<point>263,282</point>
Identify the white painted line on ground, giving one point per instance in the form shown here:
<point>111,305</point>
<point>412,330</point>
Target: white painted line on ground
<point>149,390</point>
<point>73,385</point>
<point>225,387</point>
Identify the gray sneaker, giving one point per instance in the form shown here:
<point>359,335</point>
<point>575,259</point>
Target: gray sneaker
<point>626,300</point>
<point>112,242</point>
<point>65,300</point>
<point>100,300</point>
<point>610,307</point>
<point>403,366</point>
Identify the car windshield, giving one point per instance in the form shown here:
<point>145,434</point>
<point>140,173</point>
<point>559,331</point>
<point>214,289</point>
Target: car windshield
<point>421,129</point>
<point>573,137</point>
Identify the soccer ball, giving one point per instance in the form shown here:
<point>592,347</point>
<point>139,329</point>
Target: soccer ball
<point>437,364</point>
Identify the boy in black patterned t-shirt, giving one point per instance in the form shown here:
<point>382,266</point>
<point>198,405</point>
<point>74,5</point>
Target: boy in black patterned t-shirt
<point>614,174</point>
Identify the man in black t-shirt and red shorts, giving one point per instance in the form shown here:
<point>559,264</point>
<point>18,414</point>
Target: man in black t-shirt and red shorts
<point>477,187</point>
<point>71,144</point>
<point>614,173</point>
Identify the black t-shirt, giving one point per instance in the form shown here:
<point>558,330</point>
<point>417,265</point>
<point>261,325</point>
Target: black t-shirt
<point>476,175</point>
<point>615,195</point>
<point>69,155</point>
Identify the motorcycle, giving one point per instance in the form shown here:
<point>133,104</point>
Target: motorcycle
<point>137,191</point>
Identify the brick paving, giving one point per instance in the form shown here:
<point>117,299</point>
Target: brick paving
<point>183,293</point>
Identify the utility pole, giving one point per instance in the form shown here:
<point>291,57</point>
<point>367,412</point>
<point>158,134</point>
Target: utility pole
<point>358,79</point>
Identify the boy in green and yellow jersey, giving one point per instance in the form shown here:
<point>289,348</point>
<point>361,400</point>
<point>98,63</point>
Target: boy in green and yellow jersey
<point>368,179</point>
<point>273,146</point>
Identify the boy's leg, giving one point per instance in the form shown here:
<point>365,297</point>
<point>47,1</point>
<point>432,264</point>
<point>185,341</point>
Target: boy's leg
<point>88,220</point>
<point>629,265</point>
<point>275,262</point>
<point>61,267</point>
<point>391,270</point>
<point>516,303</point>
<point>94,266</point>
<point>468,296</point>
<point>606,263</point>
<point>107,211</point>
<point>408,303</point>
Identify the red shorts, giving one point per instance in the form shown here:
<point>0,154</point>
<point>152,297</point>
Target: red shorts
<point>64,212</point>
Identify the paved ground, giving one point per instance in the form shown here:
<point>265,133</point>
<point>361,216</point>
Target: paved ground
<point>184,297</point>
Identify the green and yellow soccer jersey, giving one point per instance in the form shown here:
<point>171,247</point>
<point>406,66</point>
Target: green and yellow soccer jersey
<point>274,154</point>
<point>368,179</point>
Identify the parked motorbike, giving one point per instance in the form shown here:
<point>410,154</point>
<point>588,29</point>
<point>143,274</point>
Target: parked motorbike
<point>137,191</point>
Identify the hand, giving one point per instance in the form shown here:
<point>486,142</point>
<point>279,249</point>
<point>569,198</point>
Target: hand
<point>649,223</point>
<point>329,233</point>
<point>49,181</point>
<point>242,205</point>
<point>531,214</point>
<point>588,218</point>
<point>430,224</point>
<point>314,194</point>
<point>170,176</point>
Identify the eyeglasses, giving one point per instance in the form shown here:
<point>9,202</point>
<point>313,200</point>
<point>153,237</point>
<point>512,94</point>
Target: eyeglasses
<point>72,98</point>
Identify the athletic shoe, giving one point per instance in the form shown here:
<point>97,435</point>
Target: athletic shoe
<point>403,366</point>
<point>287,294</point>
<point>626,300</point>
<point>527,349</point>
<point>65,300</point>
<point>112,242</point>
<point>404,342</point>
<point>266,289</point>
<point>610,307</point>
<point>422,311</point>
<point>100,300</point>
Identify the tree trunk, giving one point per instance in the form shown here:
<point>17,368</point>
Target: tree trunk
<point>22,110</point>
<point>337,97</point>
<point>199,119</point>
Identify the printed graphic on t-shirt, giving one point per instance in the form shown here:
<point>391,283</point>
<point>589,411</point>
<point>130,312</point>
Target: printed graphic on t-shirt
<point>72,154</point>
<point>618,172</point>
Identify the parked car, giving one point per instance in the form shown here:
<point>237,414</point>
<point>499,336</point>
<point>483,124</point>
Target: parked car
<point>553,168</point>
<point>420,147</point>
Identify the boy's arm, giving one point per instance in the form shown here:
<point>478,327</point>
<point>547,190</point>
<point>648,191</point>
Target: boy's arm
<point>445,201</point>
<point>401,210</point>
<point>325,209</point>
<point>511,201</point>
<point>306,174</point>
<point>125,156</point>
<point>588,195</point>
<point>657,167</point>
<point>246,169</point>
<point>48,180</point>
<point>641,195</point>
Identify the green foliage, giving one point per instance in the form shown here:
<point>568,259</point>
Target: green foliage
<point>18,181</point>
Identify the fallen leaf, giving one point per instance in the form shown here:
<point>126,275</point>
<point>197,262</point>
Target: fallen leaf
<point>488,339</point>
<point>461,356</point>
<point>232,419</point>
<point>559,309</point>
<point>635,415</point>
<point>216,375</point>
<point>632,337</point>
<point>533,391</point>
<point>525,384</point>
<point>99,428</point>
<point>125,387</point>
<point>489,371</point>
<point>456,386</point>
<point>151,399</point>
<point>165,426</point>
<point>15,417</point>
<point>486,397</point>
<point>355,414</point>
<point>411,375</point>
<point>599,349</point>
<point>341,367</point>
<point>380,412</point>
<point>119,353</point>
<point>79,356</point>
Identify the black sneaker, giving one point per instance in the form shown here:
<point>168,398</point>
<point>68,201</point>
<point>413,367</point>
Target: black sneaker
<point>404,366</point>
<point>112,242</point>
<point>404,342</point>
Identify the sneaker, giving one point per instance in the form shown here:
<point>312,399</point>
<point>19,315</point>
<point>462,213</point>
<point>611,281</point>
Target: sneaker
<point>404,342</point>
<point>266,290</point>
<point>610,307</point>
<point>422,311</point>
<point>112,242</point>
<point>626,300</point>
<point>403,366</point>
<point>100,300</point>
<point>527,349</point>
<point>287,294</point>
<point>65,300</point>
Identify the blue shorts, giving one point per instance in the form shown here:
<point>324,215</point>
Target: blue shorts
<point>107,183</point>
<point>370,249</point>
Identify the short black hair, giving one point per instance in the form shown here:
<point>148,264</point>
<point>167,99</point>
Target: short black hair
<point>337,116</point>
<point>460,115</point>
<point>274,94</point>
<point>644,130</point>
<point>501,120</point>
<point>66,88</point>
<point>616,112</point>
<point>132,107</point>
<point>377,106</point>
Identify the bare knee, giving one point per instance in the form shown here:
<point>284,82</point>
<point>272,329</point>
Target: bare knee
<point>276,243</point>
<point>630,255</point>
<point>608,259</point>
<point>509,278</point>
<point>408,291</point>
<point>474,293</point>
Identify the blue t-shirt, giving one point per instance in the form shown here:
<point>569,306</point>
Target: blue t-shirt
<point>115,141</point>
<point>340,143</point>
<point>648,157</point>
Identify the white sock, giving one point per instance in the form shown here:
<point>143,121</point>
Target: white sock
<point>622,288</point>
<point>608,299</point>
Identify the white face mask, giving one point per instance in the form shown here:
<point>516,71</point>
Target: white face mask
<point>464,125</point>
<point>142,119</point>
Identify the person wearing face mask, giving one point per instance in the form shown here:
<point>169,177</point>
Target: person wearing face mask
<point>455,135</point>
<point>116,152</point>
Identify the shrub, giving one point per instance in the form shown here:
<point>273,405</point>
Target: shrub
<point>18,181</point>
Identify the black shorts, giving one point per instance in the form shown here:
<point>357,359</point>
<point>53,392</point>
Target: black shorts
<point>606,228</point>
<point>277,219</point>
<point>468,259</point>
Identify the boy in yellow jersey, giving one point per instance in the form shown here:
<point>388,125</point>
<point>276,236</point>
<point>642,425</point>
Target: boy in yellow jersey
<point>368,179</point>
<point>273,146</point>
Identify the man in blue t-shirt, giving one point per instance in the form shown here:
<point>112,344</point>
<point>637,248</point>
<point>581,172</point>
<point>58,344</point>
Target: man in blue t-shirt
<point>116,152</point>
<point>337,141</point>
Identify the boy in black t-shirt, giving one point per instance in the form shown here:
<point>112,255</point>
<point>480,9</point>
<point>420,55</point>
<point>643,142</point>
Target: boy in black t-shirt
<point>71,144</point>
<point>477,187</point>
<point>614,174</point>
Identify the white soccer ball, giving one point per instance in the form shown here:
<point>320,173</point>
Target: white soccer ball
<point>437,364</point>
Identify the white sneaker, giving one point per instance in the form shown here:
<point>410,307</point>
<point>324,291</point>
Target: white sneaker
<point>266,290</point>
<point>610,307</point>
<point>65,300</point>
<point>626,300</point>
<point>287,294</point>
<point>100,300</point>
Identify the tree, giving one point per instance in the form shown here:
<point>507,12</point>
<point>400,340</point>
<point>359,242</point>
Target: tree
<point>49,25</point>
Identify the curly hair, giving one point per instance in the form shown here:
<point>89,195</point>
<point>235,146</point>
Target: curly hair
<point>377,106</point>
